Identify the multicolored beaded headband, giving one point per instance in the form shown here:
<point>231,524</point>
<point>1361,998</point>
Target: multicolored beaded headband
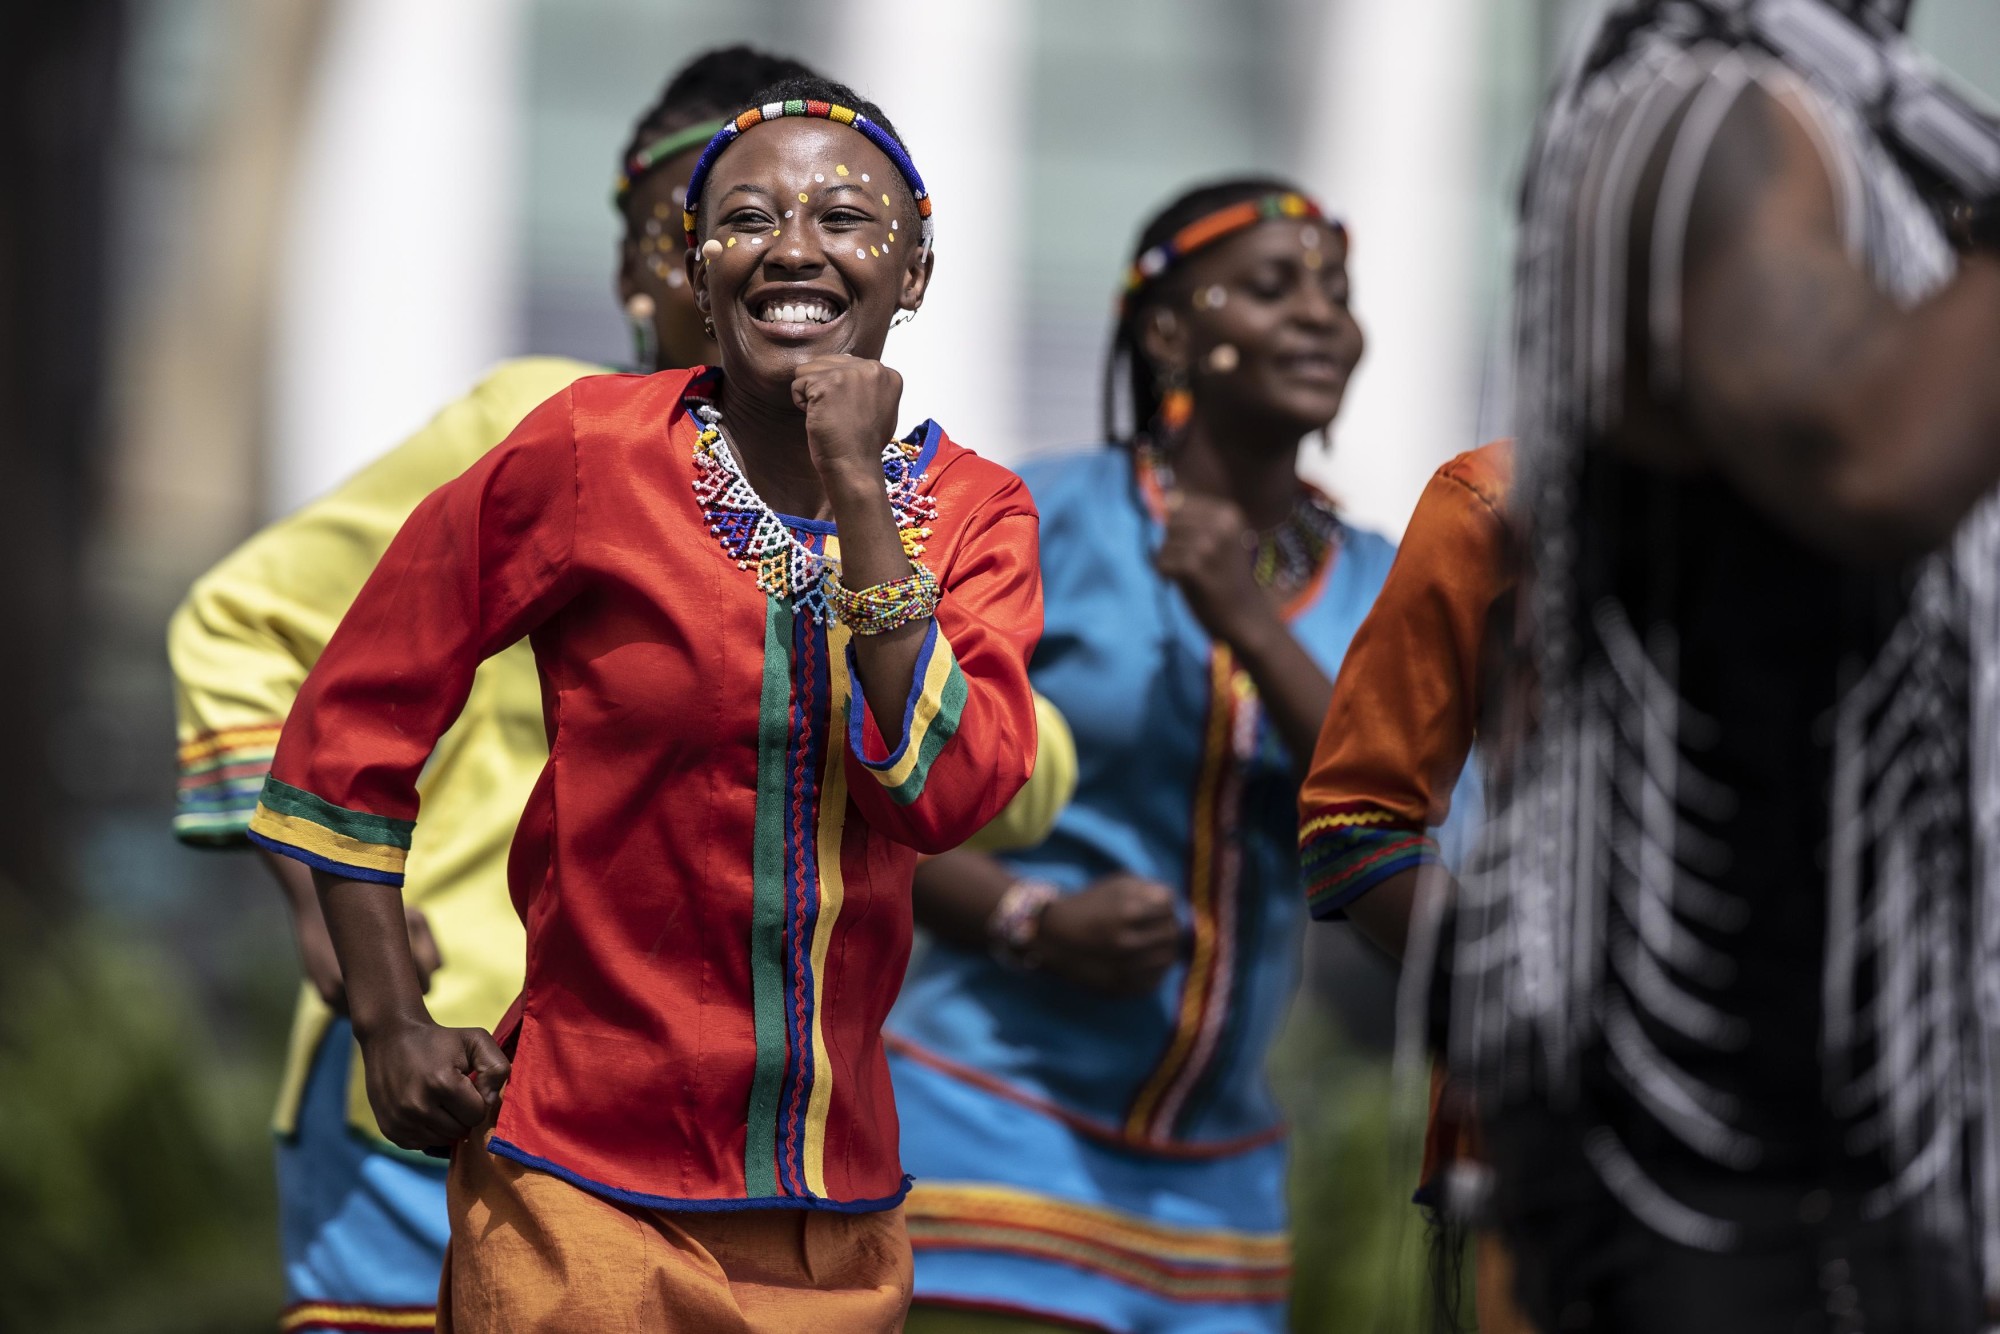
<point>880,137</point>
<point>653,154</point>
<point>1206,230</point>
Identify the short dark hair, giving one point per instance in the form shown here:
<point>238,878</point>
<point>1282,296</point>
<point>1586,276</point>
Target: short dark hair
<point>807,86</point>
<point>1142,384</point>
<point>715,84</point>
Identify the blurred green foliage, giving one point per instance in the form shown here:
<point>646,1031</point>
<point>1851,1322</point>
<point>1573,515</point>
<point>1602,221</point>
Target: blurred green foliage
<point>135,1179</point>
<point>1360,1247</point>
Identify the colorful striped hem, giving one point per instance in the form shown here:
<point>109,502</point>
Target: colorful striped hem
<point>297,824</point>
<point>1345,852</point>
<point>1012,1310</point>
<point>1179,1264</point>
<point>937,699</point>
<point>221,774</point>
<point>355,1318</point>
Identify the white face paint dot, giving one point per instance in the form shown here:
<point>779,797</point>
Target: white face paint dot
<point>819,176</point>
<point>864,178</point>
<point>756,240</point>
<point>1309,237</point>
<point>859,253</point>
<point>788,213</point>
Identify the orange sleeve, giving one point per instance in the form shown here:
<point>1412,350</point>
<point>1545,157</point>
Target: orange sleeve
<point>1406,703</point>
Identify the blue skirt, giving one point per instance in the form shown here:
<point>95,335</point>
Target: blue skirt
<point>1016,1212</point>
<point>363,1229</point>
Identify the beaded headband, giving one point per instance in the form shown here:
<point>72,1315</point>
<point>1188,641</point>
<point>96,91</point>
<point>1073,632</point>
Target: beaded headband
<point>1206,230</point>
<point>653,154</point>
<point>881,138</point>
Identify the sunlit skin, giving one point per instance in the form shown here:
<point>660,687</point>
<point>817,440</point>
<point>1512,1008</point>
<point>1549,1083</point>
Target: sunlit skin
<point>1275,297</point>
<point>659,273</point>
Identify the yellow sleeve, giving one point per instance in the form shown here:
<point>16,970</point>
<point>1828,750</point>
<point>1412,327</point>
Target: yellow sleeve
<point>1032,813</point>
<point>252,627</point>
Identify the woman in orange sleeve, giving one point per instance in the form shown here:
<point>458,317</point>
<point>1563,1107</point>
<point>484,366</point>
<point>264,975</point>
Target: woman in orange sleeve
<point>1407,707</point>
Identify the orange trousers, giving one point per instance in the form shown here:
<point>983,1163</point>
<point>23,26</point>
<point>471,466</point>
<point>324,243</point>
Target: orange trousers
<point>532,1254</point>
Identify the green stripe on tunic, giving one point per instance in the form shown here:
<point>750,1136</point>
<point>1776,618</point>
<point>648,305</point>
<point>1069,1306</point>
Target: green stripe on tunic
<point>360,826</point>
<point>767,905</point>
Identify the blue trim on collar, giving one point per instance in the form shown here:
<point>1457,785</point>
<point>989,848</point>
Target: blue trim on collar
<point>932,434</point>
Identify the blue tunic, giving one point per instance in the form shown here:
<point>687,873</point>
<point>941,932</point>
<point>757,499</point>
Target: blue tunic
<point>1120,1161</point>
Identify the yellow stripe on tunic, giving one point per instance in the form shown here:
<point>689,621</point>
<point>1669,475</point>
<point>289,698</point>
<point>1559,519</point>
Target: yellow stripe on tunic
<point>936,673</point>
<point>832,891</point>
<point>1201,890</point>
<point>309,836</point>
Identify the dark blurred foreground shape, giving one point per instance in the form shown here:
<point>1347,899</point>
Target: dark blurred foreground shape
<point>134,1192</point>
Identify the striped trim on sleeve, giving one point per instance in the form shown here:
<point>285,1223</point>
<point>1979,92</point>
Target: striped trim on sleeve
<point>296,824</point>
<point>1351,847</point>
<point>930,717</point>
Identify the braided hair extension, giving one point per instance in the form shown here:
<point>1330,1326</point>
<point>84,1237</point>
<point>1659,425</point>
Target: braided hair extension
<point>715,84</point>
<point>1126,357</point>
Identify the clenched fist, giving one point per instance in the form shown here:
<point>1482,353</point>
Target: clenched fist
<point>1208,553</point>
<point>1118,935</point>
<point>850,405</point>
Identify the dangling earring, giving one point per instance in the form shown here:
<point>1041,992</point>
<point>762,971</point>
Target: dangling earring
<point>903,317</point>
<point>639,311</point>
<point>1177,403</point>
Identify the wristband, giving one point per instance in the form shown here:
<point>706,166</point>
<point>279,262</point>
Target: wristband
<point>1015,924</point>
<point>885,607</point>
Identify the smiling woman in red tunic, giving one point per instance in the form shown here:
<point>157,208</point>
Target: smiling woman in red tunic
<point>779,659</point>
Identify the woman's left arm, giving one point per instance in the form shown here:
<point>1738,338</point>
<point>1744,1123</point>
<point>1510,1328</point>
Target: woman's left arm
<point>943,733</point>
<point>1204,552</point>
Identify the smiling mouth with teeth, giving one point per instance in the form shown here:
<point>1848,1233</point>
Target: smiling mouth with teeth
<point>810,310</point>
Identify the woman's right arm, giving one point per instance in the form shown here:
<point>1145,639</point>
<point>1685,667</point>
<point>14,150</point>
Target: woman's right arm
<point>1406,706</point>
<point>481,562</point>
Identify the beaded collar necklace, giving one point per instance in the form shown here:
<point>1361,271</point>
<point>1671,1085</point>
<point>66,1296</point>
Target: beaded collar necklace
<point>1286,559</point>
<point>754,536</point>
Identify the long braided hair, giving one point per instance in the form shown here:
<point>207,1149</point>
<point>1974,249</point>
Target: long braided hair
<point>1127,360</point>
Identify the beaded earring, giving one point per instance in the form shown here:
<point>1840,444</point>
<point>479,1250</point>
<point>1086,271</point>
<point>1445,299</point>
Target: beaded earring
<point>1177,403</point>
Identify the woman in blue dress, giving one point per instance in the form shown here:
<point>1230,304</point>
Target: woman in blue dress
<point>1079,1059</point>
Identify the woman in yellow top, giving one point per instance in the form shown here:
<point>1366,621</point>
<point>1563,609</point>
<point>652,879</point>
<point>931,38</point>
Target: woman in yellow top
<point>364,1224</point>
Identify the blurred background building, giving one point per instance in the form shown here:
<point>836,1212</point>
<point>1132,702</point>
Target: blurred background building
<point>246,245</point>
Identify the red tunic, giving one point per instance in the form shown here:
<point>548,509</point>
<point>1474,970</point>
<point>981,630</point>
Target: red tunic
<point>714,868</point>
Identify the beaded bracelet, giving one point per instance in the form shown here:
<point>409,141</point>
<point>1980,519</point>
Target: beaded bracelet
<point>885,607</point>
<point>1015,926</point>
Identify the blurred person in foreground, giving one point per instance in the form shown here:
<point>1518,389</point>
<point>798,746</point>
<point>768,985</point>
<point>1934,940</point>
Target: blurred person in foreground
<point>1079,1059</point>
<point>783,653</point>
<point>1413,693</point>
<point>1719,975</point>
<point>364,1224</point>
